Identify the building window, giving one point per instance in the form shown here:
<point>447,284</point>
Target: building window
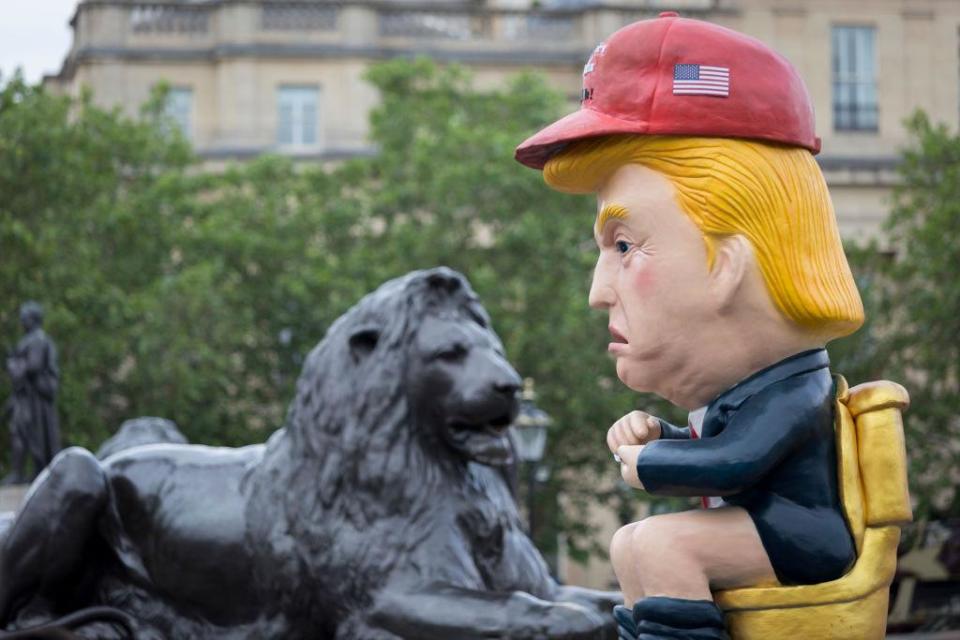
<point>178,106</point>
<point>854,79</point>
<point>297,115</point>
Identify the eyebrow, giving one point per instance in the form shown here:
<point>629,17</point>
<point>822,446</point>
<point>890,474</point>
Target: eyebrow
<point>610,212</point>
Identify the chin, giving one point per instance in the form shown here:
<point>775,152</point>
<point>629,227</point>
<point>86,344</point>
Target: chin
<point>628,374</point>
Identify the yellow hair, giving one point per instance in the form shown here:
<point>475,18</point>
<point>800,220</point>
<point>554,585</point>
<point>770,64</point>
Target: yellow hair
<point>774,195</point>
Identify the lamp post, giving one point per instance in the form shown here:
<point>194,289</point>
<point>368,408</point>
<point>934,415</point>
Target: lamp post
<point>530,428</point>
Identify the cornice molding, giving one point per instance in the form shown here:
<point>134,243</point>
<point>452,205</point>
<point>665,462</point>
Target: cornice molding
<point>573,56</point>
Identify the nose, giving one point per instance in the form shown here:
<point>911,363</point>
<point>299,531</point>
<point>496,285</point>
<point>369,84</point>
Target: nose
<point>601,292</point>
<point>502,376</point>
<point>508,382</point>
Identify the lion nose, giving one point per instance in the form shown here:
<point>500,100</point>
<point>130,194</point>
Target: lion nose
<point>508,381</point>
<point>502,380</point>
<point>509,388</point>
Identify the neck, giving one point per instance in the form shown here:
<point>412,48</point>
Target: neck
<point>735,351</point>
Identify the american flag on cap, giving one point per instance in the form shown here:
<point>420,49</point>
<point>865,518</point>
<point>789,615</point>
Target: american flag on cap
<point>701,80</point>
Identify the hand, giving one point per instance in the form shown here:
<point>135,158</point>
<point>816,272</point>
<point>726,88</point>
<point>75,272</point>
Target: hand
<point>634,428</point>
<point>568,621</point>
<point>628,455</point>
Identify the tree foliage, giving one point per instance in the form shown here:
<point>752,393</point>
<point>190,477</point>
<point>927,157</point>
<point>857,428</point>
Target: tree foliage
<point>920,294</point>
<point>194,295</point>
<point>85,227</point>
<point>912,300</point>
<point>191,294</point>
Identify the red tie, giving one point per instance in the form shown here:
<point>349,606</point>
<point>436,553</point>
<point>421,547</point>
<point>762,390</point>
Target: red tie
<point>704,502</point>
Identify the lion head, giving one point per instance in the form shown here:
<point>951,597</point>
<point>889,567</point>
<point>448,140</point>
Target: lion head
<point>459,383</point>
<point>399,413</point>
<point>410,377</point>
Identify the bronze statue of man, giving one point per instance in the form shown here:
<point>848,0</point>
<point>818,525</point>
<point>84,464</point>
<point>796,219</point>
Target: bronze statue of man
<point>34,376</point>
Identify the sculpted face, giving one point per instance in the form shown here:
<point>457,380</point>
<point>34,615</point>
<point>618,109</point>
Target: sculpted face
<point>29,319</point>
<point>463,388</point>
<point>652,278</point>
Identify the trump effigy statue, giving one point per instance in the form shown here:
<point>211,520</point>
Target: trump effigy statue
<point>723,275</point>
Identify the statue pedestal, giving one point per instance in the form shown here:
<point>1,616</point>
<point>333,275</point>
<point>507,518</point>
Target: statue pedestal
<point>12,496</point>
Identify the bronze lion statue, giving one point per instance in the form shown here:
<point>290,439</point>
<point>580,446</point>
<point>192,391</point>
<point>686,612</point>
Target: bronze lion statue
<point>379,511</point>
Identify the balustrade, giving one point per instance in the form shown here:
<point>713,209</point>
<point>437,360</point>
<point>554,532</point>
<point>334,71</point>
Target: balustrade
<point>413,23</point>
<point>538,27</point>
<point>299,16</point>
<point>169,18</point>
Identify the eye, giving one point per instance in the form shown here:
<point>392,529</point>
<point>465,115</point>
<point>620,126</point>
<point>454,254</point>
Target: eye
<point>453,353</point>
<point>363,341</point>
<point>622,246</point>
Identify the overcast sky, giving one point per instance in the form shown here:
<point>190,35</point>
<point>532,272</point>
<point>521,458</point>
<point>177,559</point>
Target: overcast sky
<point>34,35</point>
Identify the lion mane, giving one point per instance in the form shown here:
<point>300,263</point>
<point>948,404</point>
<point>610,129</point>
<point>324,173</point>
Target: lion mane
<point>349,468</point>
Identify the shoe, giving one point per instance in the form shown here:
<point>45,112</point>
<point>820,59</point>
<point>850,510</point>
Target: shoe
<point>626,628</point>
<point>661,618</point>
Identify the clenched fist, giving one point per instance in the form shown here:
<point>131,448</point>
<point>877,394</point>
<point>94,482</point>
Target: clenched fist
<point>634,428</point>
<point>626,439</point>
<point>627,456</point>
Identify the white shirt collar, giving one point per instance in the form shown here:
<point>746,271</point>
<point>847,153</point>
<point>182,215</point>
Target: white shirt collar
<point>695,419</point>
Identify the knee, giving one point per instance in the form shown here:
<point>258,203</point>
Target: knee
<point>621,545</point>
<point>652,541</point>
<point>640,541</point>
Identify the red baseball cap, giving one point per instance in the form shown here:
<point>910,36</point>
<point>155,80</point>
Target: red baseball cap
<point>674,76</point>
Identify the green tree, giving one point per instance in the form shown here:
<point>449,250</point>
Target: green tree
<point>922,300</point>
<point>84,225</point>
<point>170,290</point>
<point>191,294</point>
<point>912,299</point>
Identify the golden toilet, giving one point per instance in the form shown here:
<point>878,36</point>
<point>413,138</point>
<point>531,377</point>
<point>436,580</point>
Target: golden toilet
<point>873,490</point>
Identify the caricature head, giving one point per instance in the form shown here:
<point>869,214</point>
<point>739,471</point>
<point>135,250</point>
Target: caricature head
<point>772,196</point>
<point>719,250</point>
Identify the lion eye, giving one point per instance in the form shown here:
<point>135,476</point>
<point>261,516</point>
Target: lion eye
<point>451,353</point>
<point>363,341</point>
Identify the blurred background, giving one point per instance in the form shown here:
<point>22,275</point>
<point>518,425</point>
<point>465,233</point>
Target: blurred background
<point>196,189</point>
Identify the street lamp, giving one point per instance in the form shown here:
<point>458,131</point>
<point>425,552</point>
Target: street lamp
<point>530,428</point>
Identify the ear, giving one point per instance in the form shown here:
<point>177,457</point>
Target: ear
<point>443,279</point>
<point>733,258</point>
<point>363,341</point>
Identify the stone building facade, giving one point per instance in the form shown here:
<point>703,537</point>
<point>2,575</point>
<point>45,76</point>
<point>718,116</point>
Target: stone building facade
<point>256,76</point>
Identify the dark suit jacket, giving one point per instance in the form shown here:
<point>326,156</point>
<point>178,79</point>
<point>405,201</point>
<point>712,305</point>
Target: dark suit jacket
<point>767,445</point>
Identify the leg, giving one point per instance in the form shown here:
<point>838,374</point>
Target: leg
<point>441,612</point>
<point>685,555</point>
<point>667,566</point>
<point>43,550</point>
<point>600,601</point>
<point>39,464</point>
<point>18,460</point>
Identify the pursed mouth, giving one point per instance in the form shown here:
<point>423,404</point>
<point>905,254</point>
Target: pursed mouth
<point>616,335</point>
